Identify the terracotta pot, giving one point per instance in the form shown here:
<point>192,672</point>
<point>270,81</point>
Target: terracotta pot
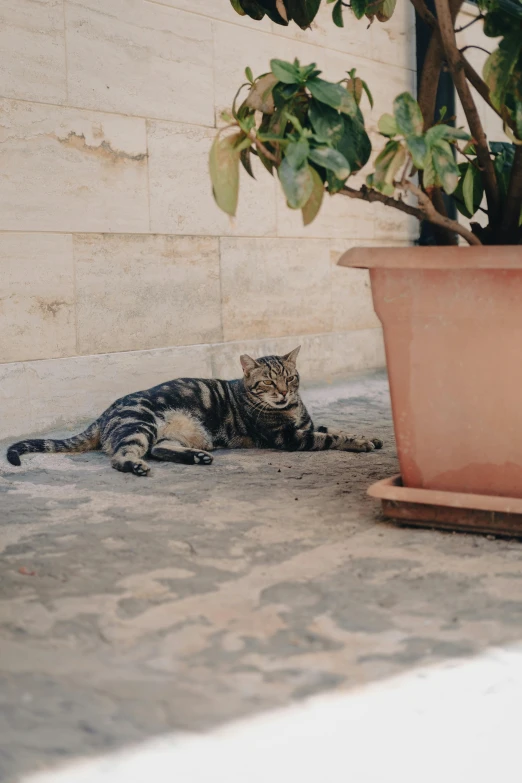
<point>452,322</point>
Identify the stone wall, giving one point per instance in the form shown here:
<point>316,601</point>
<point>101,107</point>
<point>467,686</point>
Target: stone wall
<point>117,270</point>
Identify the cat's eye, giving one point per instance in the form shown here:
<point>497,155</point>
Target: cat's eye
<point>292,378</point>
<point>268,383</point>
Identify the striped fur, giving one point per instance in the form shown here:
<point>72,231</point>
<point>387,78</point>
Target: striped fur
<point>185,419</point>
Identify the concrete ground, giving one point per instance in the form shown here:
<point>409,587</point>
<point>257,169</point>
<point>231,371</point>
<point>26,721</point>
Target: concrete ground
<point>133,607</point>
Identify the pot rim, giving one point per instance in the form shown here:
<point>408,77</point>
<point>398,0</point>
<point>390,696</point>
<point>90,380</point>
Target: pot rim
<point>434,257</point>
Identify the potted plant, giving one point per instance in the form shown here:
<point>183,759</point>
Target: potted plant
<point>451,314</point>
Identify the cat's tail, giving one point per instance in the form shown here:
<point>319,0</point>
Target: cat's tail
<point>88,440</point>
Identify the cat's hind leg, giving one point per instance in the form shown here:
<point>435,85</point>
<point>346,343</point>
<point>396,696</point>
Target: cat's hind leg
<point>170,450</point>
<point>128,447</point>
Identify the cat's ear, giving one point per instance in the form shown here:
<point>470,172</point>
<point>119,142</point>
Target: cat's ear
<point>292,356</point>
<point>247,363</point>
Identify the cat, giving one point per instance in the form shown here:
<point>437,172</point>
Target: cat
<point>183,420</point>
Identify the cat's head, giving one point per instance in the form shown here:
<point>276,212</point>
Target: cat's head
<point>272,380</point>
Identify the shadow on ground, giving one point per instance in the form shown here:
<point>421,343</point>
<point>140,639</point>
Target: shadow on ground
<point>132,607</point>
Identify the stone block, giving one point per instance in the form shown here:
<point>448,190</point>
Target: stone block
<point>70,170</point>
<point>140,58</point>
<point>37,307</point>
<point>146,291</point>
<point>32,50</point>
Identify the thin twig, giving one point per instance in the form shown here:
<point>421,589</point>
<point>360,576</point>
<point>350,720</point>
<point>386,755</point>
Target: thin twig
<point>465,26</point>
<point>468,104</point>
<point>468,158</point>
<point>266,152</point>
<point>431,214</point>
<point>472,46</point>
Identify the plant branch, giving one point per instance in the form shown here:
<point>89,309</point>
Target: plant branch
<point>427,98</point>
<point>430,213</point>
<point>266,152</point>
<point>475,125</point>
<point>472,76</point>
<point>368,194</point>
<point>425,210</point>
<point>468,158</point>
<point>472,46</point>
<point>465,26</point>
<point>429,80</point>
<point>513,204</point>
<point>424,13</point>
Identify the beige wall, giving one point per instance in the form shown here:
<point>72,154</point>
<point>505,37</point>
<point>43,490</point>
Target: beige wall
<point>116,268</point>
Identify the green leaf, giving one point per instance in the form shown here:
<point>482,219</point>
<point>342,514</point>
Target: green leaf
<point>303,12</point>
<point>246,122</point>
<point>260,97</point>
<point>385,11</point>
<point>368,93</point>
<point>297,185</point>
<point>387,125</point>
<point>334,95</point>
<point>285,72</point>
<point>455,133</point>
<point>387,189</point>
<point>359,8</point>
<point>236,5</point>
<point>243,143</point>
<point>408,114</point>
<point>309,71</point>
<point>224,172</point>
<point>447,132</point>
<point>504,155</point>
<point>499,67</point>
<point>332,160</point>
<point>387,154</point>
<point>472,180</point>
<point>518,119</point>
<point>430,178</point>
<point>387,164</point>
<point>354,144</point>
<point>354,86</point>
<point>445,166</point>
<point>275,11</point>
<point>283,94</point>
<point>313,205</point>
<point>467,189</point>
<point>337,15</point>
<point>435,134</point>
<point>252,9</point>
<point>496,24</point>
<point>418,150</point>
<point>249,75</point>
<point>246,162</point>
<point>296,153</point>
<point>327,123</point>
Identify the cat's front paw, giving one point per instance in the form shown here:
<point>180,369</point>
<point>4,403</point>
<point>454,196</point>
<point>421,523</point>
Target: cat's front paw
<point>362,443</point>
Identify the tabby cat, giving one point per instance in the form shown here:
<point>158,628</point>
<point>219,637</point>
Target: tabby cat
<point>185,419</point>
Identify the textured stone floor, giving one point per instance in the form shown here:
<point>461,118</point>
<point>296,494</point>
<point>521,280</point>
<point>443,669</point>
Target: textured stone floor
<point>132,607</point>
